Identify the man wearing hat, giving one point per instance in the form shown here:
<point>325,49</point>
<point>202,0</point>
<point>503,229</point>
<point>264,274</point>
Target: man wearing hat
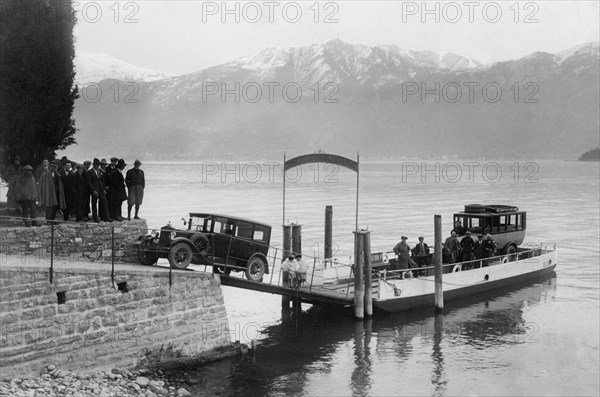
<point>453,246</point>
<point>116,189</point>
<point>88,188</point>
<point>402,250</point>
<point>99,205</point>
<point>50,192</point>
<point>26,196</point>
<point>421,253</point>
<point>468,246</point>
<point>135,181</point>
<point>80,188</point>
<point>108,175</point>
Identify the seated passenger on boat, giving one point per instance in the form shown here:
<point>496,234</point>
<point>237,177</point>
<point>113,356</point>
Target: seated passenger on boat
<point>458,228</point>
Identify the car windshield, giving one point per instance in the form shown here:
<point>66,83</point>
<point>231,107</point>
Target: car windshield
<point>200,224</point>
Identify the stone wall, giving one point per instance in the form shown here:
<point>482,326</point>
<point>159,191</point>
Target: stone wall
<point>76,241</point>
<point>80,321</point>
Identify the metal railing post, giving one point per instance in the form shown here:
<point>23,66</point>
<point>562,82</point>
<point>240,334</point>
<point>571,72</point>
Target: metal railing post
<point>273,270</point>
<point>51,253</point>
<point>312,276</point>
<point>112,256</point>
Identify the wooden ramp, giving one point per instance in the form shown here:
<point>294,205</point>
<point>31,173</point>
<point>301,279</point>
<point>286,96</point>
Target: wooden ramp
<point>317,295</point>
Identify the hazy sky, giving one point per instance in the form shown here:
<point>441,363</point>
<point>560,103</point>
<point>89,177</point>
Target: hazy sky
<point>185,36</point>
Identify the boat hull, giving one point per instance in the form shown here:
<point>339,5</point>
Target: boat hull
<point>420,292</point>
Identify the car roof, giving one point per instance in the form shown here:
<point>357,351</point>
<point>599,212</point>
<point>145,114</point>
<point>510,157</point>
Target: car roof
<point>235,218</point>
<point>488,214</point>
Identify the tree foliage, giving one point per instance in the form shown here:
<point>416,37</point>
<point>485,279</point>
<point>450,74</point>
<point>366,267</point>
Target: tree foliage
<point>37,93</point>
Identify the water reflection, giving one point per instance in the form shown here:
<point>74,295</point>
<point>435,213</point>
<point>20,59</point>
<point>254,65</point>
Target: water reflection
<point>325,346</point>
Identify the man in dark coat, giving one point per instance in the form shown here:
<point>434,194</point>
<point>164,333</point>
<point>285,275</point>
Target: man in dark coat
<point>79,192</point>
<point>488,247</point>
<point>136,182</point>
<point>99,205</point>
<point>118,189</point>
<point>88,189</point>
<point>67,177</point>
<point>107,177</point>
<point>26,196</point>
<point>467,245</point>
<point>50,192</point>
<point>453,247</point>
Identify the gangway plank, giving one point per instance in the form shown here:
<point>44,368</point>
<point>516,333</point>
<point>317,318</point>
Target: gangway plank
<point>306,294</point>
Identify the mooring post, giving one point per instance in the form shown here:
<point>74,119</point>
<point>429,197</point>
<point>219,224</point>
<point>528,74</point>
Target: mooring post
<point>368,281</point>
<point>287,250</point>
<point>439,292</point>
<point>287,241</point>
<point>359,292</point>
<point>297,239</point>
<point>328,249</point>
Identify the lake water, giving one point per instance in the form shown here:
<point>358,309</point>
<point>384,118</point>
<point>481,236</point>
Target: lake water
<point>541,338</point>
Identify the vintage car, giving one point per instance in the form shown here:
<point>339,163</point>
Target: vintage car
<point>505,223</point>
<point>227,243</point>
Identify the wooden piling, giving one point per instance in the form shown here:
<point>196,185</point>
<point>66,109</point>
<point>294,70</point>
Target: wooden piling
<point>287,250</point>
<point>297,239</point>
<point>437,257</point>
<point>368,281</point>
<point>287,241</point>
<point>328,248</point>
<point>359,292</point>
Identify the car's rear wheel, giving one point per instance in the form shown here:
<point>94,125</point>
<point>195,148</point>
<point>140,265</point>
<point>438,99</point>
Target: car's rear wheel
<point>255,270</point>
<point>145,255</point>
<point>180,256</point>
<point>511,252</point>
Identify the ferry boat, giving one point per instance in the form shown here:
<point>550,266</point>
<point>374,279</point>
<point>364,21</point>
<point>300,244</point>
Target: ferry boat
<point>408,289</point>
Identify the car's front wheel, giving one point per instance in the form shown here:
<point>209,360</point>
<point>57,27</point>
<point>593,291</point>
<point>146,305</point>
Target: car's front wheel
<point>145,255</point>
<point>255,270</point>
<point>180,256</point>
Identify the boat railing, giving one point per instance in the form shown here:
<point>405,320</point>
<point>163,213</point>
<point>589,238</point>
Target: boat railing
<point>523,253</point>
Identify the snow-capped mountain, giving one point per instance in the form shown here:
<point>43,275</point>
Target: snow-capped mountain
<point>93,68</point>
<point>540,105</point>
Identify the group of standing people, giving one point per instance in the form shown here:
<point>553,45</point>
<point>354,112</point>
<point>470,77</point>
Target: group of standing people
<point>468,249</point>
<point>92,190</point>
<point>453,251</point>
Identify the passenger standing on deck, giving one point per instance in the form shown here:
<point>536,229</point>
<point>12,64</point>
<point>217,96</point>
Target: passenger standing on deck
<point>421,254</point>
<point>26,196</point>
<point>488,247</point>
<point>478,248</point>
<point>136,183</point>
<point>468,246</point>
<point>402,250</point>
<point>453,246</point>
